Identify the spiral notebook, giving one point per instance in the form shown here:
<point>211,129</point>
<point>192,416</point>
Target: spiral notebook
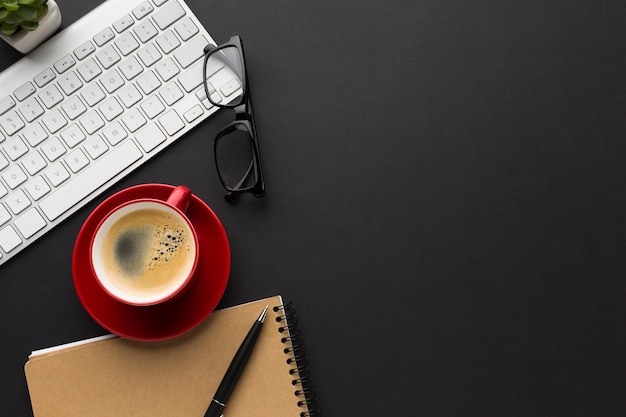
<point>111,376</point>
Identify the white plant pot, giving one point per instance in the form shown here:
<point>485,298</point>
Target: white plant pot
<point>25,41</point>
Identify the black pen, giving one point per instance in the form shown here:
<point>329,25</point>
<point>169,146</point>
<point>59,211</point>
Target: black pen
<point>235,369</point>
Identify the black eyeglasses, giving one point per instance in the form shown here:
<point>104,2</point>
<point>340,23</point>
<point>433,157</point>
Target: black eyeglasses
<point>236,146</point>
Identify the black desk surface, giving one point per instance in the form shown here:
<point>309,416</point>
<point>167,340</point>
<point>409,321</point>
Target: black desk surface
<point>445,204</point>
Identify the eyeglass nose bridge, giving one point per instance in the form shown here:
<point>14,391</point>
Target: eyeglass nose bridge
<point>241,112</point>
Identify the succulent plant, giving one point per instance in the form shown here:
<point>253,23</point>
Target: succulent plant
<point>21,14</point>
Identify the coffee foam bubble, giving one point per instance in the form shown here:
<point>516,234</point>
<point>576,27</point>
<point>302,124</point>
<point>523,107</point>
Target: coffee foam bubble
<point>146,248</point>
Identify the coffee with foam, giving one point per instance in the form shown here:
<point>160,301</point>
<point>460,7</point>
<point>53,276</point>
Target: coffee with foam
<point>145,252</point>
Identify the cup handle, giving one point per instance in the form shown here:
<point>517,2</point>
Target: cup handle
<point>180,198</point>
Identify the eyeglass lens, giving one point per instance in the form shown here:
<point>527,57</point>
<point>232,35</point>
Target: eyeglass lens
<point>223,68</point>
<point>234,154</point>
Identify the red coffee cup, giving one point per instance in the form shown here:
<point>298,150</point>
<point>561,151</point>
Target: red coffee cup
<point>145,251</point>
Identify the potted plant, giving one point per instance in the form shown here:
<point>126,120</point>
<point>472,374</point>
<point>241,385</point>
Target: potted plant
<point>25,24</point>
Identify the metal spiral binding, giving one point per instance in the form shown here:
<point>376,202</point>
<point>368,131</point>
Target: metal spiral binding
<point>297,358</point>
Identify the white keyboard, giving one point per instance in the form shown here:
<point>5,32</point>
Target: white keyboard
<point>91,105</point>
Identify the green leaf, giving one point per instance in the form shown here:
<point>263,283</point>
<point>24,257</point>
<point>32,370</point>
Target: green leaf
<point>3,14</point>
<point>8,29</point>
<point>27,13</point>
<point>11,6</point>
<point>13,18</point>
<point>42,11</point>
<point>30,26</point>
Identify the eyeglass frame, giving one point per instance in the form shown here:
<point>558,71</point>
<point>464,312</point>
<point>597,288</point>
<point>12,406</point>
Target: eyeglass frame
<point>243,116</point>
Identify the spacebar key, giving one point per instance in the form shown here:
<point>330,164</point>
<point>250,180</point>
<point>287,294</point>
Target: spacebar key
<point>89,180</point>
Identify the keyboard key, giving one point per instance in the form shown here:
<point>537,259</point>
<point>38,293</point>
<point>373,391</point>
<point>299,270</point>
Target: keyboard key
<point>131,68</point>
<point>142,10</point>
<point>91,122</point>
<point>6,104</point>
<point>31,109</point>
<point>73,107</point>
<point>92,94</point>
<point>44,77</point>
<point>108,57</point>
<point>145,31</point>
<point>126,43</point>
<point>76,160</point>
<point>64,64</point>
<point>95,146</point>
<point>110,108</point>
<point>34,162</point>
<point>168,42</point>
<point>149,54</point>
<point>84,50</point>
<point>69,83</point>
<point>186,28</point>
<point>89,70</point>
<point>215,97</point>
<point>150,137</point>
<point>171,122</point>
<point>192,78</point>
<point>54,120</point>
<point>15,147</point>
<point>129,95</point>
<point>213,68</point>
<point>111,81</point>
<point>191,51</point>
<point>72,136</point>
<point>201,94</point>
<point>168,14</point>
<point>133,119</point>
<point>50,96</point>
<point>193,113</point>
<point>9,239</point>
<point>148,82</point>
<point>34,134</point>
<point>24,91</point>
<point>11,122</point>
<point>56,174</point>
<point>123,23</point>
<point>18,202</point>
<point>114,133</point>
<point>90,180</point>
<point>230,87</point>
<point>30,223</point>
<point>14,176</point>
<point>5,216</point>
<point>104,36</point>
<point>167,69</point>
<point>37,187</point>
<point>152,107</point>
<point>53,149</point>
<point>171,93</point>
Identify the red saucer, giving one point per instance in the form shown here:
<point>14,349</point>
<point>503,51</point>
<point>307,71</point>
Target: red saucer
<point>166,320</point>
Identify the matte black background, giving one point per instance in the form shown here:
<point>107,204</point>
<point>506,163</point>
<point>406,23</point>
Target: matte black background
<point>445,204</point>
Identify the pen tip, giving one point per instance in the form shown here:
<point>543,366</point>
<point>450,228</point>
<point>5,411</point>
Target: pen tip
<point>263,314</point>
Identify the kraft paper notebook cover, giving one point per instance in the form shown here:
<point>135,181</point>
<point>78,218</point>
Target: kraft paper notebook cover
<point>116,377</point>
